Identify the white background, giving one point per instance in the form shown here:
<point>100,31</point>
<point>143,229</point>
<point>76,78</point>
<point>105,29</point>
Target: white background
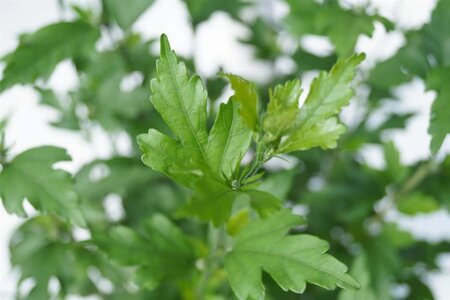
<point>216,44</point>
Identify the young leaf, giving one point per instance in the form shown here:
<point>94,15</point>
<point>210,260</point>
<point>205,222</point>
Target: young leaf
<point>181,101</point>
<point>291,260</point>
<point>246,95</point>
<point>281,110</point>
<point>315,124</point>
<point>39,53</point>
<point>30,175</point>
<point>195,159</point>
<point>229,139</point>
<point>324,135</point>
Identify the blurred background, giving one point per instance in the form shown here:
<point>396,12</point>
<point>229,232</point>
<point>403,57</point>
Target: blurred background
<point>225,40</point>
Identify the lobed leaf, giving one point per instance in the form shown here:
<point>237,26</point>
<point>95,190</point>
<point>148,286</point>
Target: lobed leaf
<point>246,95</point>
<point>229,139</point>
<point>38,53</point>
<point>30,175</point>
<point>315,124</point>
<point>291,260</point>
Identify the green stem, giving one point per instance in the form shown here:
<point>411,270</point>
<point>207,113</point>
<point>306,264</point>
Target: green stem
<point>410,184</point>
<point>257,162</point>
<point>3,149</point>
<point>215,239</point>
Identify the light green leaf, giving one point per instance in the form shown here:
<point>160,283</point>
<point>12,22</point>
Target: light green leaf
<point>417,203</point>
<point>229,139</point>
<point>127,12</point>
<point>246,95</point>
<point>282,110</point>
<point>291,260</point>
<point>181,101</point>
<point>166,155</point>
<point>315,124</point>
<point>30,175</point>
<point>38,54</point>
<point>323,134</point>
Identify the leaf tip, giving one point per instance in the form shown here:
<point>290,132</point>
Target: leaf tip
<point>164,44</point>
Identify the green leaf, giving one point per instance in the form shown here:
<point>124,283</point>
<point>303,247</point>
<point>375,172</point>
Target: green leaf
<point>212,200</point>
<point>30,175</point>
<point>194,158</point>
<point>38,54</point>
<point>342,26</point>
<point>280,183</point>
<point>229,139</point>
<point>291,260</point>
<point>246,95</point>
<point>42,248</point>
<point>437,79</point>
<point>181,101</point>
<point>409,61</point>
<point>315,124</point>
<point>166,155</point>
<point>127,12</point>
<point>396,236</point>
<point>360,270</point>
<point>263,203</point>
<point>160,250</point>
<point>200,10</point>
<point>324,135</point>
<point>68,118</point>
<point>282,110</point>
<point>394,166</point>
<point>113,107</point>
<point>417,203</point>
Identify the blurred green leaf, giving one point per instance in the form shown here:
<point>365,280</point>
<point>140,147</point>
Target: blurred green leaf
<point>327,18</point>
<point>417,203</point>
<point>30,175</point>
<point>126,13</point>
<point>38,53</point>
<point>160,250</point>
<point>201,10</point>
